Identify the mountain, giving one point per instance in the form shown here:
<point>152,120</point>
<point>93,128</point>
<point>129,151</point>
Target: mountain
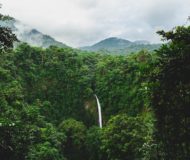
<point>109,44</point>
<point>31,36</point>
<point>116,45</point>
<point>141,42</point>
<point>112,45</point>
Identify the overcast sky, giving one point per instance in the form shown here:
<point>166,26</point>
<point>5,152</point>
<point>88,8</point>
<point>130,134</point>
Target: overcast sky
<point>84,22</point>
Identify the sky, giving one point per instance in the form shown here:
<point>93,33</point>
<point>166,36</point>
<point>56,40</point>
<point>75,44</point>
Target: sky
<point>84,22</point>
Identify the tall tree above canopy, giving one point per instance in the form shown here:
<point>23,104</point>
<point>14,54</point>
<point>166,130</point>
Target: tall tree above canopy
<point>171,95</point>
<point>7,38</point>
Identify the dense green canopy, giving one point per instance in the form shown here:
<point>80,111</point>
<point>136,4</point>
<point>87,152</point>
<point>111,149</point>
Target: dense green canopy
<point>48,110</point>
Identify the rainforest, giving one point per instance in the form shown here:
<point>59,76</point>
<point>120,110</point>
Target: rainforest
<point>49,109</point>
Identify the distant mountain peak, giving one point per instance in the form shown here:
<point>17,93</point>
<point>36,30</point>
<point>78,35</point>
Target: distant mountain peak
<point>30,35</point>
<point>115,39</point>
<point>117,45</point>
<point>34,31</point>
<point>142,42</point>
<point>111,43</point>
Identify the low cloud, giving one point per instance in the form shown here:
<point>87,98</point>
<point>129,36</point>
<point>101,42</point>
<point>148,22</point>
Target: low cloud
<point>84,22</point>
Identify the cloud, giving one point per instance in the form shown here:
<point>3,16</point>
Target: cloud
<point>83,22</point>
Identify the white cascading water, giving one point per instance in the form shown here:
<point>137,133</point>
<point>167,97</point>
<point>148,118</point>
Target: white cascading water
<point>99,111</point>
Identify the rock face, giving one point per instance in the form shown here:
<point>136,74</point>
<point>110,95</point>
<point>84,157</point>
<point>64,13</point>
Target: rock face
<point>30,35</point>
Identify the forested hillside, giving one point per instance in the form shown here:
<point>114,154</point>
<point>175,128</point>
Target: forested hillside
<point>30,35</point>
<point>118,46</point>
<point>48,110</point>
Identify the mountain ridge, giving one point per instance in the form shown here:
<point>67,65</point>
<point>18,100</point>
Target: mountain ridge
<point>115,45</point>
<point>30,35</point>
<point>111,45</point>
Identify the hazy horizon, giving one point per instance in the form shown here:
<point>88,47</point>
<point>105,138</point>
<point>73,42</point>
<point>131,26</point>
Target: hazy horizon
<point>85,22</point>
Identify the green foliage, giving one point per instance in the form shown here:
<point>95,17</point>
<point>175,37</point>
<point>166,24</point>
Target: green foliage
<point>44,152</point>
<point>93,143</point>
<point>122,83</point>
<point>74,145</point>
<point>123,138</point>
<point>47,104</point>
<point>6,36</point>
<point>56,76</point>
<point>42,87</point>
<point>171,94</point>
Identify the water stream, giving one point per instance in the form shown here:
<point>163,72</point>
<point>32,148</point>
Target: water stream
<point>99,111</point>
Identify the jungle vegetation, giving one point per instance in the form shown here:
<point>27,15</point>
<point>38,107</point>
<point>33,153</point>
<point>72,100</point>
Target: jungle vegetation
<point>48,110</point>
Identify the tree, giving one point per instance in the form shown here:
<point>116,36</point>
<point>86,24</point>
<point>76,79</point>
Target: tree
<point>171,92</point>
<point>93,143</point>
<point>123,138</point>
<point>44,151</point>
<point>6,36</point>
<point>73,147</point>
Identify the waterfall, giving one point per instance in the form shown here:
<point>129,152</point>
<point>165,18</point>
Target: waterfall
<point>99,111</point>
